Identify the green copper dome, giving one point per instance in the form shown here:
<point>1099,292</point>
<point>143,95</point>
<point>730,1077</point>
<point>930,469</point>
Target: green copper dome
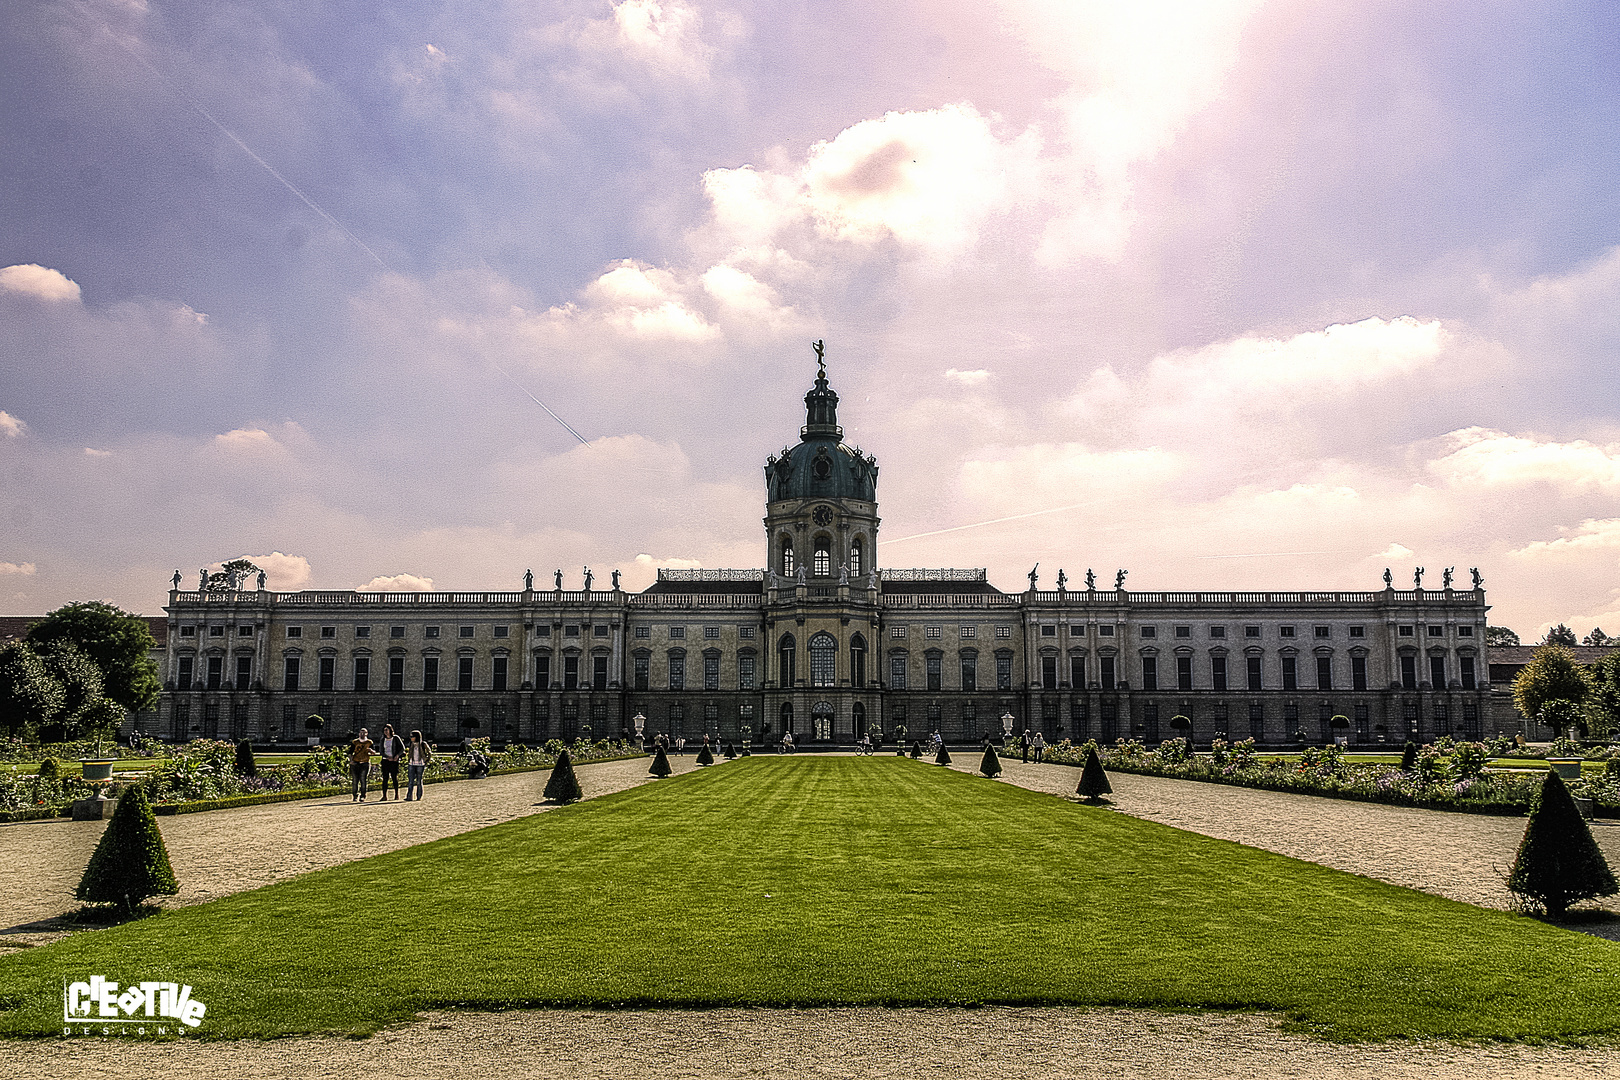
<point>821,466</point>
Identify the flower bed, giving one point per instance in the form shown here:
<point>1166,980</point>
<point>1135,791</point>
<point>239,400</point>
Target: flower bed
<point>1446,775</point>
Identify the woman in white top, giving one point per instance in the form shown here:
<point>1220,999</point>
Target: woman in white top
<point>417,756</point>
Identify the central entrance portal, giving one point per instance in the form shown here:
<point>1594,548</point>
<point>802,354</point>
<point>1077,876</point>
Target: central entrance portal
<point>822,717</point>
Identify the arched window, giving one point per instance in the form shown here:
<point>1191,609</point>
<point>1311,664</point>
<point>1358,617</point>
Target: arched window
<point>857,661</point>
<point>786,654</point>
<point>859,712</point>
<point>787,557</point>
<point>787,716</point>
<point>855,550</point>
<point>823,660</point>
<point>822,566</point>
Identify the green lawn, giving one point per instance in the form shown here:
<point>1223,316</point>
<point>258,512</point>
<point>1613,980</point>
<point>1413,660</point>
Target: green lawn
<point>819,881</point>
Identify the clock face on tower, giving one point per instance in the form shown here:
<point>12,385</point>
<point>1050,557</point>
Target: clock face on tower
<point>822,516</point>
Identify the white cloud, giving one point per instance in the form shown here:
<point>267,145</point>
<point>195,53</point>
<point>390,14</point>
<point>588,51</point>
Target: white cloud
<point>282,572</point>
<point>647,562</point>
<point>1483,457</point>
<point>644,302</point>
<point>745,297</point>
<point>976,377</point>
<point>1394,551</point>
<point>91,451</point>
<point>665,34</point>
<point>1594,534</point>
<point>398,583</point>
<point>40,282</point>
<point>1039,476</point>
<point>10,426</point>
<point>10,569</point>
<point>247,440</point>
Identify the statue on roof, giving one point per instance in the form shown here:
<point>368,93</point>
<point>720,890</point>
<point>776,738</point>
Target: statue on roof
<point>261,581</point>
<point>821,359</point>
<point>202,580</point>
<point>615,581</point>
<point>528,580</point>
<point>1479,582</point>
<point>177,581</point>
<point>1417,579</point>
<point>1033,576</point>
<point>1445,577</point>
<point>843,573</point>
<point>559,580</point>
<point>1091,580</point>
<point>1389,579</point>
<point>588,579</point>
<point>1063,580</point>
<point>1119,579</point>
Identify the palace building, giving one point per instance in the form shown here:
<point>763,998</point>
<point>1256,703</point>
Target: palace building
<point>826,643</point>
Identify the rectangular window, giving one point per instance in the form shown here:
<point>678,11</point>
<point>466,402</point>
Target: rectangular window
<point>295,631</point>
<point>396,632</point>
<point>328,631</point>
<point>497,673</point>
<point>1437,631</point>
<point>571,672</point>
<point>1003,632</point>
<point>362,673</point>
<point>244,672</point>
<point>897,631</point>
<point>191,631</point>
<point>1251,631</point>
<point>711,672</point>
<point>599,673</point>
<point>1324,631</point>
<point>1290,673</point>
<point>1217,632</point>
<point>503,631</point>
<point>1150,631</point>
<point>1437,672</point>
<point>362,631</point>
<point>328,672</point>
<point>1358,673</point>
<point>745,672</point>
<point>897,671</point>
<point>641,671</point>
<point>573,631</point>
<point>1467,665</point>
<point>1217,673</point>
<point>465,631</point>
<point>464,673</point>
<point>970,673</point>
<point>1106,663</point>
<point>857,665</point>
<point>430,673</point>
<point>711,633</point>
<point>1408,672</point>
<point>247,631</point>
<point>597,630</point>
<point>1257,721</point>
<point>932,633</point>
<point>1150,673</point>
<point>677,672</point>
<point>1465,631</point>
<point>967,632</point>
<point>1405,631</point>
<point>216,671</point>
<point>1105,631</point>
<point>1077,672</point>
<point>932,665</point>
<point>1077,630</point>
<point>1003,672</point>
<point>1184,631</point>
<point>216,631</point>
<point>1254,673</point>
<point>746,633</point>
<point>542,672</point>
<point>544,630</point>
<point>430,631</point>
<point>1049,630</point>
<point>1285,631</point>
<point>1324,672</point>
<point>396,674</point>
<point>643,632</point>
<point>1183,673</point>
<point>1049,673</point>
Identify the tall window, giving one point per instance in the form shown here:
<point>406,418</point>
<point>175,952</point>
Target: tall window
<point>1004,671</point>
<point>289,673</point>
<point>857,661</point>
<point>1254,673</point>
<point>1150,672</point>
<point>1408,672</point>
<point>599,672</point>
<point>542,671</point>
<point>497,673</point>
<point>430,673</point>
<point>931,666</point>
<point>970,670</point>
<point>745,672</point>
<point>1183,673</point>
<point>1257,721</point>
<point>1467,664</point>
<point>897,671</point>
<point>464,668</point>
<point>1106,664</point>
<point>1437,672</point>
<point>641,668</point>
<point>1077,672</point>
<point>711,672</point>
<point>1290,673</point>
<point>396,673</point>
<point>855,552</point>
<point>788,565</point>
<point>1217,673</point>
<point>216,669</point>
<point>328,672</point>
<point>244,672</point>
<point>362,673</point>
<point>822,566</point>
<point>823,656</point>
<point>677,671</point>
<point>184,681</point>
<point>1358,673</point>
<point>787,661</point>
<point>571,671</point>
<point>1049,672</point>
<point>1324,672</point>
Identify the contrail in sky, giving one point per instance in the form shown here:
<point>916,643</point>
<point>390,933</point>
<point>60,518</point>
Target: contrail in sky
<point>307,201</point>
<point>980,524</point>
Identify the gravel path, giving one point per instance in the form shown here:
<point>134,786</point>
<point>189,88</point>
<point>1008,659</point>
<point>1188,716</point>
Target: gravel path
<point>825,1044</point>
<point>1459,856</point>
<point>219,852</point>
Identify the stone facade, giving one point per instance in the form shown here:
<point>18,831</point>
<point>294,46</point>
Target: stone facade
<point>823,643</point>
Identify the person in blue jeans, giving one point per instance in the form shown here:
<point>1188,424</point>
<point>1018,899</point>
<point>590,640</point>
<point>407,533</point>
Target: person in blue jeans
<point>417,756</point>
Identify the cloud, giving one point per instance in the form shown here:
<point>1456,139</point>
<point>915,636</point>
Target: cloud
<point>91,451</point>
<point>647,562</point>
<point>247,440</point>
<point>10,426</point>
<point>1482,457</point>
<point>398,583</point>
<point>282,573</point>
<point>1394,551</point>
<point>10,569</point>
<point>40,282</point>
<point>1036,476</point>
<point>1594,534</point>
<point>977,377</point>
<point>665,34</point>
<point>644,302</point>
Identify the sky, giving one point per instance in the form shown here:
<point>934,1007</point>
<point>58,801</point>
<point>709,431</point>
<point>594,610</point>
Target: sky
<point>1232,294</point>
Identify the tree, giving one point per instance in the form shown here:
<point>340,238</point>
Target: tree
<point>1409,757</point>
<point>660,766</point>
<point>563,786</point>
<point>72,667</point>
<point>990,764</point>
<point>731,751</point>
<point>1093,780</point>
<point>1597,638</point>
<point>1560,635</point>
<point>245,765</point>
<point>943,757</point>
<point>1551,675</point>
<point>1497,637</point>
<point>1559,863</point>
<point>119,643</point>
<point>1603,703</point>
<point>916,749</point>
<point>704,757</point>
<point>130,864</point>
<point>29,695</point>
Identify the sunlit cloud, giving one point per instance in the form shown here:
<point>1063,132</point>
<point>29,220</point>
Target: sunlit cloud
<point>40,282</point>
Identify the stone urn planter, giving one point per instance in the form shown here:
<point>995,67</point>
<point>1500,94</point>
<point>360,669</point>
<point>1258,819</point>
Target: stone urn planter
<point>1569,768</point>
<point>97,768</point>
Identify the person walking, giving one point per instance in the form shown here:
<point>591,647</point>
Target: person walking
<point>389,753</point>
<point>1040,746</point>
<point>1023,745</point>
<point>360,765</point>
<point>416,762</point>
<point>680,745</point>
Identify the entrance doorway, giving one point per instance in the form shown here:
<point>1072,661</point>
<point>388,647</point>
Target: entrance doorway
<point>822,717</point>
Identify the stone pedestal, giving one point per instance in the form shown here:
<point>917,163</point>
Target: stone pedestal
<point>93,809</point>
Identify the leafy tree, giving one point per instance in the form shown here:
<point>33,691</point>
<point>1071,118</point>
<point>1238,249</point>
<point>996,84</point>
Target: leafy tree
<point>1551,675</point>
<point>131,863</point>
<point>1409,757</point>
<point>1093,780</point>
<point>29,695</point>
<point>119,643</point>
<point>1560,635</point>
<point>1497,637</point>
<point>1603,704</point>
<point>1597,638</point>
<point>98,720</point>
<point>1559,863</point>
<point>245,765</point>
<point>660,766</point>
<point>563,786</point>
<point>72,667</point>
<point>990,764</point>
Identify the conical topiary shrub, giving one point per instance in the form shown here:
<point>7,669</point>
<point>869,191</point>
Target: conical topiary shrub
<point>704,757</point>
<point>731,751</point>
<point>660,766</point>
<point>1093,780</point>
<point>131,863</point>
<point>916,749</point>
<point>245,765</point>
<point>943,757</point>
<point>1409,756</point>
<point>990,764</point>
<point>1559,863</point>
<point>563,786</point>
